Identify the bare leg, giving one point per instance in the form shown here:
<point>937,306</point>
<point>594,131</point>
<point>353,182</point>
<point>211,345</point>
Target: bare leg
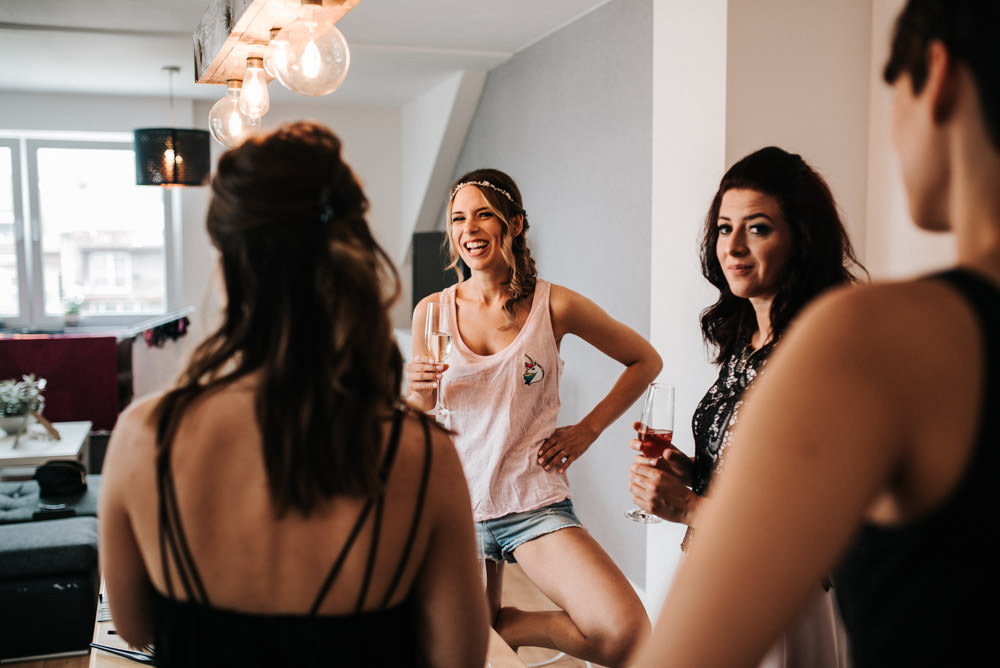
<point>601,617</point>
<point>494,587</point>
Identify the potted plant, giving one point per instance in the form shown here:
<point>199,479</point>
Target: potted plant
<point>17,399</point>
<point>72,306</point>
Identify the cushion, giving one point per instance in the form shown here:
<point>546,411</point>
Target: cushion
<point>21,501</point>
<point>30,549</point>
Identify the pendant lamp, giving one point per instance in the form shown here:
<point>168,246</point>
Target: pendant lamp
<point>171,156</point>
<point>311,56</point>
<point>226,122</point>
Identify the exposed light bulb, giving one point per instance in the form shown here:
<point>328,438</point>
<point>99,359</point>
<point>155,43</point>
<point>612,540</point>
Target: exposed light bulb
<point>226,122</point>
<point>316,57</point>
<point>311,60</point>
<point>274,53</point>
<point>169,159</point>
<point>254,100</point>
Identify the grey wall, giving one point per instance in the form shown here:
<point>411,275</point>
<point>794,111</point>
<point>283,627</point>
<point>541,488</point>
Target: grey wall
<point>569,118</point>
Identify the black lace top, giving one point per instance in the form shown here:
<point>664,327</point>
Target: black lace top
<point>719,410</point>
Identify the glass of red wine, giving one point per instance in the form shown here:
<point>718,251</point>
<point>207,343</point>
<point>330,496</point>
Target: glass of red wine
<point>656,431</point>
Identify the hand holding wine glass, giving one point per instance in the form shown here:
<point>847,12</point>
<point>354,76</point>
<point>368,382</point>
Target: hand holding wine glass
<point>656,431</point>
<point>438,342</point>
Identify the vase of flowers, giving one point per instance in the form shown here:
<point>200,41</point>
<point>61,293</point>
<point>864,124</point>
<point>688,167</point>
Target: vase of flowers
<point>18,398</point>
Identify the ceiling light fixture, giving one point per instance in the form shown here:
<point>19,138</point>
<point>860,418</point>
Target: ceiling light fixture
<point>254,100</point>
<point>316,56</point>
<point>228,125</point>
<point>274,53</point>
<point>171,156</point>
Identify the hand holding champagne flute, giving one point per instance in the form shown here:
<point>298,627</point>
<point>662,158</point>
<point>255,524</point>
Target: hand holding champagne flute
<point>438,342</point>
<point>656,431</point>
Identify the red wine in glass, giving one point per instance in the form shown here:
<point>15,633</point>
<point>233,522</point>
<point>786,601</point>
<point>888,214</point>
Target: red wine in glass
<point>656,431</point>
<point>654,442</point>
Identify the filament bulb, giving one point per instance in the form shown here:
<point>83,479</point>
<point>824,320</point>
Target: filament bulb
<point>254,100</point>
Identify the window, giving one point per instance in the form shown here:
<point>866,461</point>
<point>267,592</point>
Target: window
<point>75,230</point>
<point>9,285</point>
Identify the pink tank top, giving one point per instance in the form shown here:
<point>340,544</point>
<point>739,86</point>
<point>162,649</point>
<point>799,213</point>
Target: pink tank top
<point>505,405</point>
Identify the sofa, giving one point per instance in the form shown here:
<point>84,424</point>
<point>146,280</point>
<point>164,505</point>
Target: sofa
<point>49,577</point>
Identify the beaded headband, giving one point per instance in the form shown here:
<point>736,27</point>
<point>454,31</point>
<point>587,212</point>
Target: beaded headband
<point>481,183</point>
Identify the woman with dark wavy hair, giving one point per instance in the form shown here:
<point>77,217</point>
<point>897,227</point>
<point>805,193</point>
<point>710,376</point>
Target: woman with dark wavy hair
<point>278,505</point>
<point>501,384</point>
<point>869,447</point>
<point>772,241</point>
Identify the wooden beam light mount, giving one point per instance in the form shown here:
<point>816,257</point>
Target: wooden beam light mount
<point>233,30</point>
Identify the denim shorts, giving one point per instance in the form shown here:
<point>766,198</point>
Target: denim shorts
<point>501,535</point>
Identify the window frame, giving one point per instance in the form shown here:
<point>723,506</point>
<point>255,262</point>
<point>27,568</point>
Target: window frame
<point>17,200</point>
<point>28,235</point>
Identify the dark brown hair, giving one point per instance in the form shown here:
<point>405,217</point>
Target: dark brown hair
<point>822,255</point>
<point>967,28</point>
<point>306,310</point>
<point>506,205</point>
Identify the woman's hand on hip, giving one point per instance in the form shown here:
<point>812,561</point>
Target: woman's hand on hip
<point>565,446</point>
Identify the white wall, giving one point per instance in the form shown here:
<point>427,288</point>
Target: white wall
<point>689,142</point>
<point>797,77</point>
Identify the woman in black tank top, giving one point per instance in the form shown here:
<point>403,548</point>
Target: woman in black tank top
<point>279,505</point>
<point>867,447</point>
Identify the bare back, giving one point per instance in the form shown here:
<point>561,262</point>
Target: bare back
<point>235,536</point>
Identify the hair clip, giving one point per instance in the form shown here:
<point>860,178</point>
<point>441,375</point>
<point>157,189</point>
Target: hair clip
<point>327,214</point>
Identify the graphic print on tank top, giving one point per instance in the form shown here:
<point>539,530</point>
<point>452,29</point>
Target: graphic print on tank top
<point>533,371</point>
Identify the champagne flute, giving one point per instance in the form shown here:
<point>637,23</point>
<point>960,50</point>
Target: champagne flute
<point>438,342</point>
<point>656,431</point>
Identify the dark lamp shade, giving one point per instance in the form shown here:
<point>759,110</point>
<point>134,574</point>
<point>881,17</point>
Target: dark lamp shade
<point>172,157</point>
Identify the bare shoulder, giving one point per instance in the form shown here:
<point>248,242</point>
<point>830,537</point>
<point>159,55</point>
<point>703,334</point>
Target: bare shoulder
<point>419,432</point>
<point>421,306</point>
<point>422,437</point>
<point>570,310</point>
<point>135,424</point>
<point>892,317</point>
<point>891,343</point>
<point>562,297</point>
<point>131,448</point>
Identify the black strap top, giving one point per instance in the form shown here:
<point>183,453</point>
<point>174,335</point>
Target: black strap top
<point>193,633</point>
<point>918,594</point>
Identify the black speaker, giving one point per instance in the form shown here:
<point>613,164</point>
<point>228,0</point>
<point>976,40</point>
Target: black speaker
<point>430,257</point>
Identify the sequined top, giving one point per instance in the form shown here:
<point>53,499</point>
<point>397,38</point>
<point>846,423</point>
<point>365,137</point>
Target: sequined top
<point>719,410</point>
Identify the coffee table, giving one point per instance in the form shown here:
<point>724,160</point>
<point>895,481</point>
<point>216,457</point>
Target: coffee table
<point>36,447</point>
